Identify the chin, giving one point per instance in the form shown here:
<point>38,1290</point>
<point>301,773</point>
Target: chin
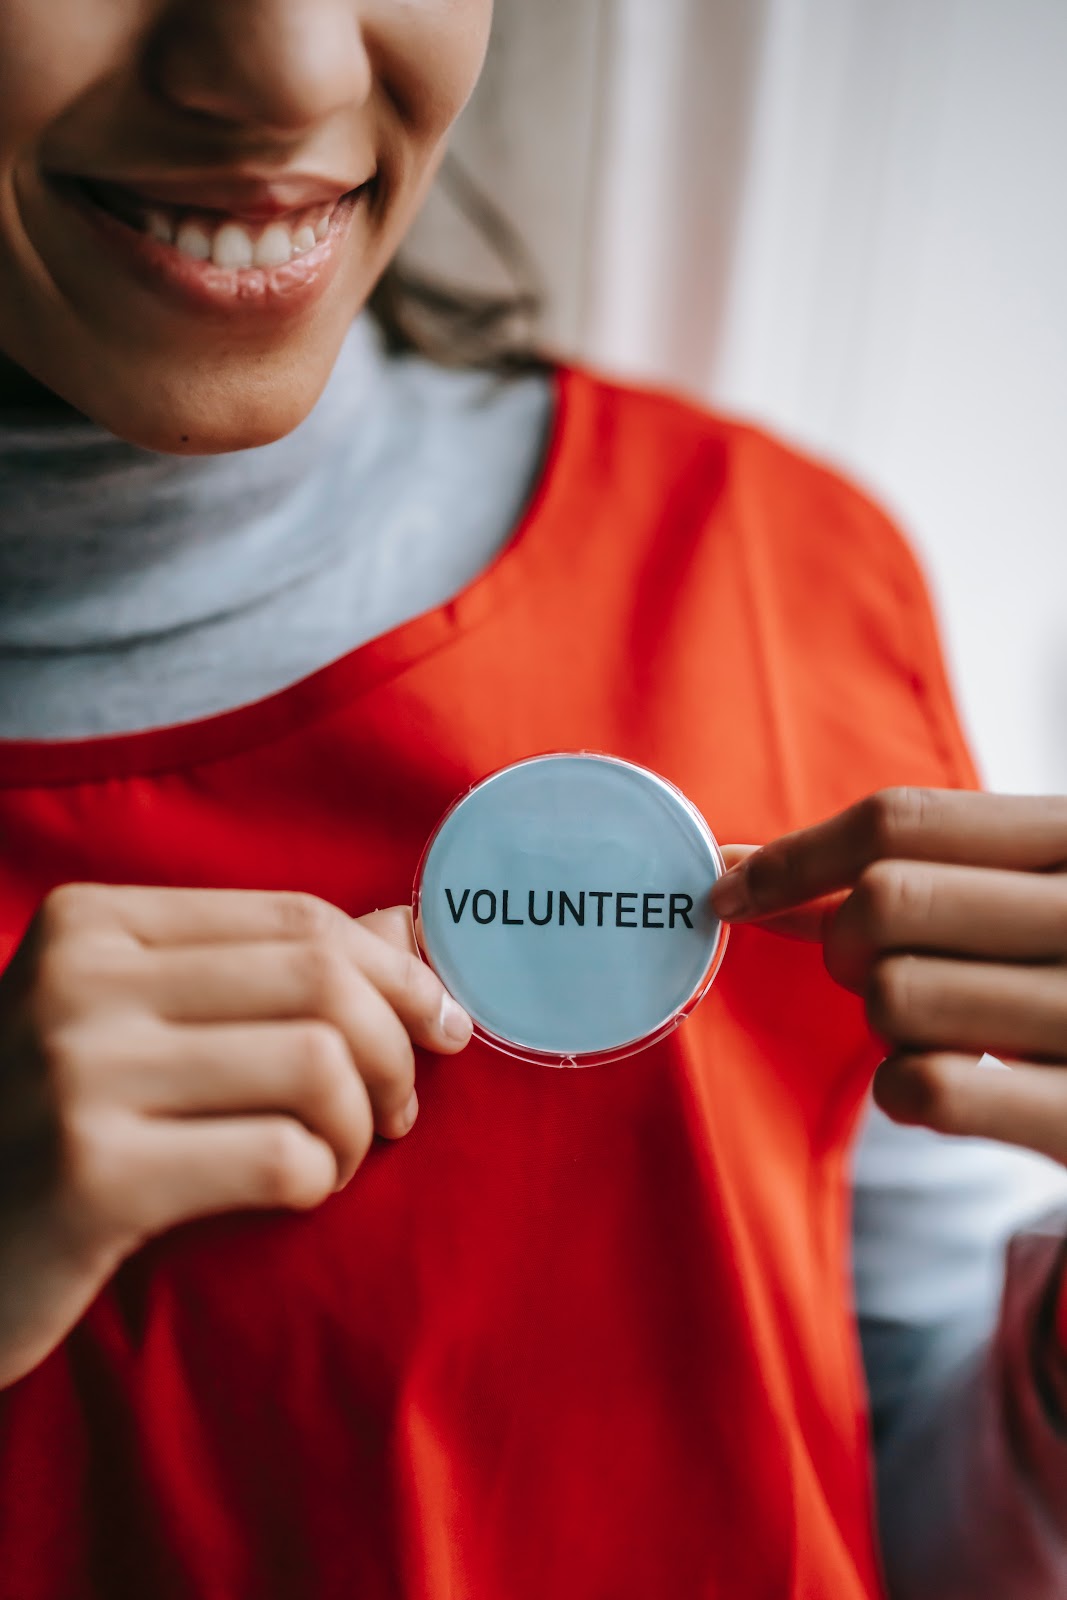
<point>200,435</point>
<point>208,436</point>
<point>235,410</point>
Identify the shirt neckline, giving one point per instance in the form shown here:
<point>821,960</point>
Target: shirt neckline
<point>288,712</point>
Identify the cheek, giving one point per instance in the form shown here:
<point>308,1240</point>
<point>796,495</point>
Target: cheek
<point>431,53</point>
<point>51,53</point>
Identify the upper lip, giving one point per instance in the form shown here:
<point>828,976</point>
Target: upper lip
<point>253,197</point>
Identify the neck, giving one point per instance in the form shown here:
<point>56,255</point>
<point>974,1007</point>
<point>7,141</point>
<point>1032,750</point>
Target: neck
<point>102,542</point>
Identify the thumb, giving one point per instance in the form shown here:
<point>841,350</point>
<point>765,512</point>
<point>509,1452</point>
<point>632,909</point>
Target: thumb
<point>394,925</point>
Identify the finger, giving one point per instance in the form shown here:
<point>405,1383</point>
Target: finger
<point>382,944</point>
<point>390,959</point>
<point>293,983</point>
<point>242,982</point>
<point>176,1171</point>
<point>1026,1106</point>
<point>302,1069</point>
<point>925,1003</point>
<point>395,926</point>
<point>962,911</point>
<point>807,923</point>
<point>433,1018</point>
<point>734,854</point>
<point>166,916</point>
<point>1013,832</point>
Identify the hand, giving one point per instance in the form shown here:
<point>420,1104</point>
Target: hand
<point>169,1053</point>
<point>947,913</point>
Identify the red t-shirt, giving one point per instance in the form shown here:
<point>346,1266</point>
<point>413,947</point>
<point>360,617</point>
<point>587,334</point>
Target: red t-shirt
<point>583,1335</point>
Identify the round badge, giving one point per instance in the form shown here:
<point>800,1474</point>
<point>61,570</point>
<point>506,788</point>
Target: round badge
<point>564,902</point>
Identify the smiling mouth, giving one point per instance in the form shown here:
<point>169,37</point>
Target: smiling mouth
<point>205,235</point>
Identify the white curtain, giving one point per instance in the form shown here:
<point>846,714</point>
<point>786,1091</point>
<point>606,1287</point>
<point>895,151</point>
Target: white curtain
<point>848,219</point>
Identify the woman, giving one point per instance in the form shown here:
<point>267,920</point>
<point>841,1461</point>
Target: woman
<point>571,1334</point>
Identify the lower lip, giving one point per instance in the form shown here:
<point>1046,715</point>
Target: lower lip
<point>251,293</point>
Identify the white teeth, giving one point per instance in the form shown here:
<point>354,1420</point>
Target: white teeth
<point>274,247</point>
<point>191,240</point>
<point>232,247</point>
<point>160,227</point>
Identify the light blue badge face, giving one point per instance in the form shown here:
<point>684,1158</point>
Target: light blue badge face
<point>564,902</point>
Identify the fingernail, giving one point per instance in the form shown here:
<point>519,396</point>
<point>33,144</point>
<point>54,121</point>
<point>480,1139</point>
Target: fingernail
<point>454,1022</point>
<point>729,898</point>
<point>410,1112</point>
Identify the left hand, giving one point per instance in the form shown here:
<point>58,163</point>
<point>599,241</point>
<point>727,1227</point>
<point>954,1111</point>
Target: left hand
<point>947,912</point>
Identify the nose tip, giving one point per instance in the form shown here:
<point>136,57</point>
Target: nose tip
<point>284,65</point>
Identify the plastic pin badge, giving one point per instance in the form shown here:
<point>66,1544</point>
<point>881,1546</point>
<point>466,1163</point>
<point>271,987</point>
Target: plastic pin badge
<point>564,901</point>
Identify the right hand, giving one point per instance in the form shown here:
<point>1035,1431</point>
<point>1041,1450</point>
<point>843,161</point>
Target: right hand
<point>170,1053</point>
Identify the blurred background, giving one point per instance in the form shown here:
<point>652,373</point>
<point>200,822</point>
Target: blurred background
<point>846,219</point>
